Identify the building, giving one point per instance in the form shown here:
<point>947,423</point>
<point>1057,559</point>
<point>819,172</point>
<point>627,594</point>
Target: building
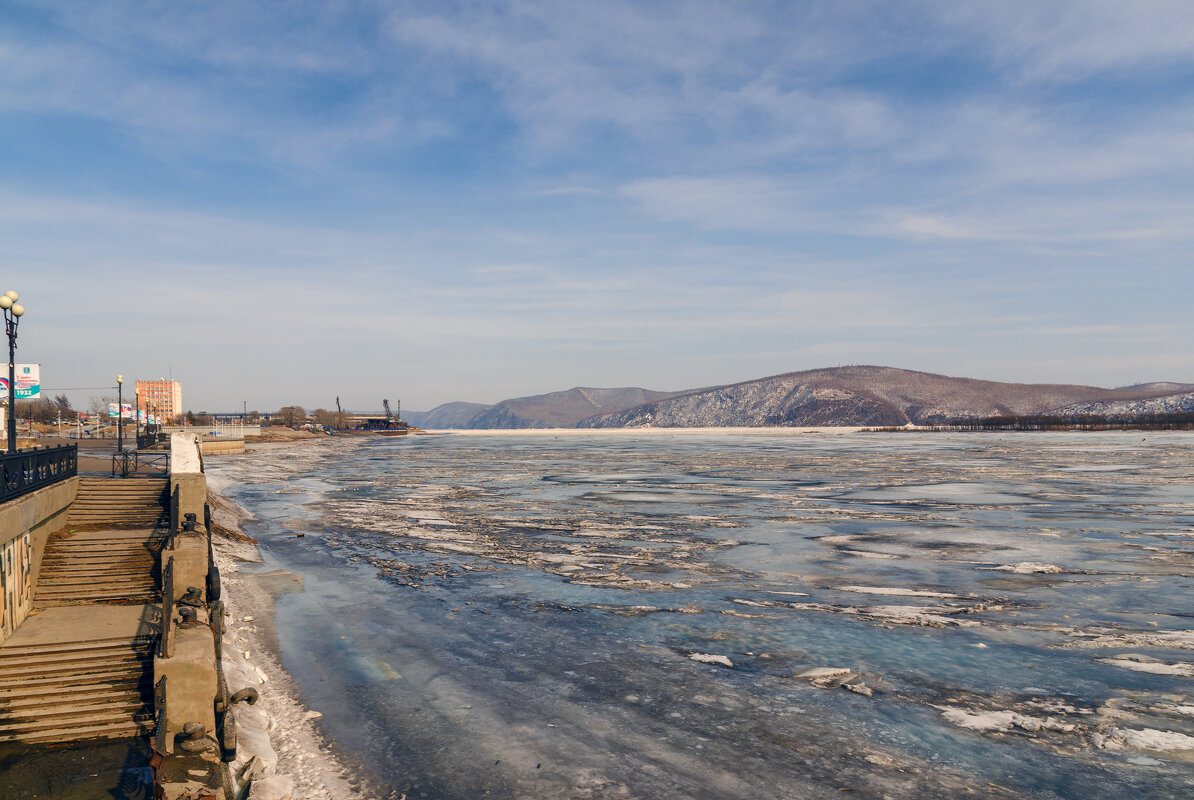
<point>163,399</point>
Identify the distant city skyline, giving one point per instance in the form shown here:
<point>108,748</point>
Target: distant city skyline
<point>281,204</point>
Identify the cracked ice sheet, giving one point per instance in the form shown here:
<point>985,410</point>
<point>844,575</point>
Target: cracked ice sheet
<point>720,521</point>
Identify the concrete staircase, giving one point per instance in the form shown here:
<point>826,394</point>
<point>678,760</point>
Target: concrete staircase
<point>135,502</point>
<point>91,566</point>
<point>81,666</point>
<point>72,691</point>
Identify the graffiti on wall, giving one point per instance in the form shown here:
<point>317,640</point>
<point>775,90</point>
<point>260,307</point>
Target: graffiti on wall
<point>16,583</point>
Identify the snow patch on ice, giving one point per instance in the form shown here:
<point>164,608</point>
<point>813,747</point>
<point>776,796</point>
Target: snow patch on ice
<point>1138,663</point>
<point>895,590</point>
<point>707,658</point>
<point>1149,739</point>
<point>1031,568</point>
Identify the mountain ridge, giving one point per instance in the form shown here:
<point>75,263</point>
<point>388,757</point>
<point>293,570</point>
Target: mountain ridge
<point>860,395</point>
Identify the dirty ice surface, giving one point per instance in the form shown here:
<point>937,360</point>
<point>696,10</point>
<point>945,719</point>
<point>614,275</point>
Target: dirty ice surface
<point>712,615</point>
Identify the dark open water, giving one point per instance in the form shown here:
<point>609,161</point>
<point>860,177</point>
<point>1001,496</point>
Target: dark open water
<point>517,614</point>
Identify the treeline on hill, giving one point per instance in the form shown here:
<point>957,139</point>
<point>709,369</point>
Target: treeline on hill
<point>1175,421</point>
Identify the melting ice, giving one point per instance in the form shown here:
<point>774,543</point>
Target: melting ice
<point>705,615</point>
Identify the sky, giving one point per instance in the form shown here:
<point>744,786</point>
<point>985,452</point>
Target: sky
<point>280,203</point>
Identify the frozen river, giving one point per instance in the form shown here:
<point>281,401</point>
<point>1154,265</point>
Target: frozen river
<point>739,614</point>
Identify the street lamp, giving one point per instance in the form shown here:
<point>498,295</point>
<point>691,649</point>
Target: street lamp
<point>119,413</point>
<point>12,318</point>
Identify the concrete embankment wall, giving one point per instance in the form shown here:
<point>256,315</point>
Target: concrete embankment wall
<point>25,526</point>
<point>222,447</point>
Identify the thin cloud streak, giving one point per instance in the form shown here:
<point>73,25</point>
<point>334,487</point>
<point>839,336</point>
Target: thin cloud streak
<point>540,193</point>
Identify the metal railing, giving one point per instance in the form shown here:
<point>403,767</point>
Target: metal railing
<point>174,515</point>
<point>128,461</point>
<point>28,470</point>
<point>148,440</point>
<point>164,648</point>
<point>160,734</point>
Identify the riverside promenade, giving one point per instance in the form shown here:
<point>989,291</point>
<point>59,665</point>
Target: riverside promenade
<point>110,685</point>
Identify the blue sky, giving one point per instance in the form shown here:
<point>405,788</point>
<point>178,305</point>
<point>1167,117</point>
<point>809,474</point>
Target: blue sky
<point>284,202</point>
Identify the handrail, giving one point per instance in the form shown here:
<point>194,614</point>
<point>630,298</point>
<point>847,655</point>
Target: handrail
<point>160,736</point>
<point>164,648</point>
<point>127,461</point>
<point>174,513</point>
<point>29,470</point>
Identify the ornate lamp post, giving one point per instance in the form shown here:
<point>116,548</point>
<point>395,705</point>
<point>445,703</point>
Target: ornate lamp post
<point>12,318</point>
<point>119,414</point>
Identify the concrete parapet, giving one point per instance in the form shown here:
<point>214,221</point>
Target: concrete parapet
<point>191,680</point>
<point>36,510</point>
<point>186,474</point>
<point>222,447</point>
<point>25,525</point>
<point>191,564</point>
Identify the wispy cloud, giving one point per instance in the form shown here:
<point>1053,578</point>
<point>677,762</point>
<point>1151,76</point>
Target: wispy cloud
<point>680,184</point>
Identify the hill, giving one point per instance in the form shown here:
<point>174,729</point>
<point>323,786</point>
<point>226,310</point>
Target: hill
<point>553,410</point>
<point>448,415</point>
<point>863,396</point>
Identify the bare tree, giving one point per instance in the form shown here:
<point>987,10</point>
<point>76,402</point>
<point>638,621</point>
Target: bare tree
<point>291,416</point>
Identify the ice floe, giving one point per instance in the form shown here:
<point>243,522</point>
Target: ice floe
<point>1148,739</point>
<point>1140,663</point>
<point>708,658</point>
<point>1031,568</point>
<point>1003,721</point>
<point>896,591</point>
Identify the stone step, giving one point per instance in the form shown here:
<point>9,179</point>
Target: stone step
<point>71,559</point>
<point>83,589</point>
<point>60,682</point>
<point>113,574</point>
<point>50,665</point>
<point>47,705</point>
<point>139,643</point>
<point>115,511</point>
<point>54,650</point>
<point>96,577</point>
<point>74,566</point>
<point>122,502</point>
<point>52,598</point>
<point>95,729</point>
<point>78,693</point>
<point>95,724</point>
<point>27,717</point>
<point>133,584</point>
<point>118,521</point>
<point>133,541</point>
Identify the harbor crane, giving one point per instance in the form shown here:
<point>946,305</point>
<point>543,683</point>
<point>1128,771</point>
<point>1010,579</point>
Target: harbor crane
<point>390,417</point>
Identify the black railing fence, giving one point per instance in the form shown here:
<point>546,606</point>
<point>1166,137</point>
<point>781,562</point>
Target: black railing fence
<point>128,461</point>
<point>28,470</point>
